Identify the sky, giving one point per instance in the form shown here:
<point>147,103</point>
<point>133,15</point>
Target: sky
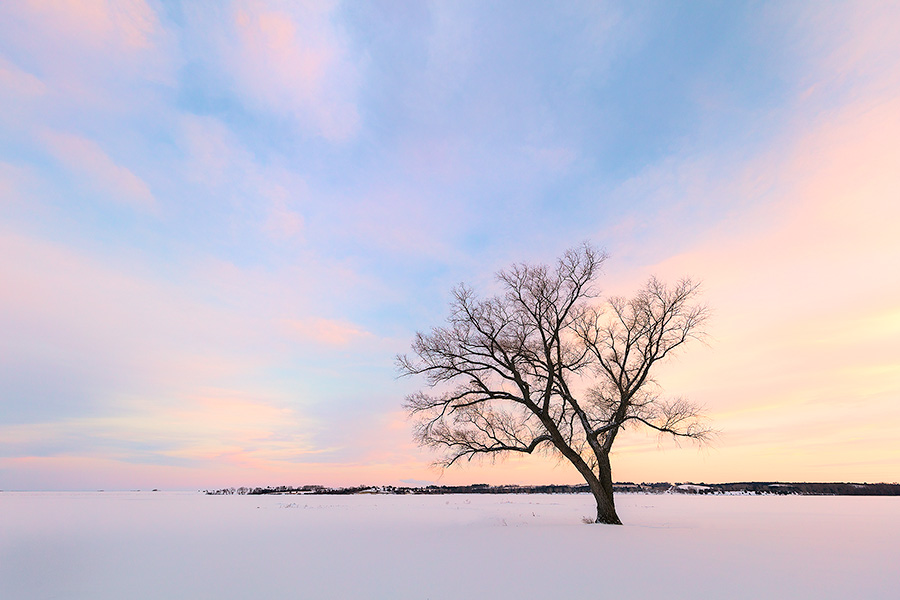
<point>221,221</point>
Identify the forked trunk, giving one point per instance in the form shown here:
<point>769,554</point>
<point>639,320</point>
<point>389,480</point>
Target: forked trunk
<point>600,483</point>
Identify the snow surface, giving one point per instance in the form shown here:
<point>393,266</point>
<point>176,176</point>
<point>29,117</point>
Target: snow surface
<point>188,545</point>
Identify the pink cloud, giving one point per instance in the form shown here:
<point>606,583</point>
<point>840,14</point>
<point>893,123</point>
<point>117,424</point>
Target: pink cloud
<point>282,222</point>
<point>161,371</point>
<point>213,425</point>
<point>294,62</point>
<point>89,54</point>
<point>327,331</point>
<point>15,182</point>
<point>128,24</point>
<point>850,43</point>
<point>18,81</point>
<point>217,159</point>
<point>113,322</point>
<point>86,159</point>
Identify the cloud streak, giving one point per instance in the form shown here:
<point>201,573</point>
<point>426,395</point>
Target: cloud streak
<point>290,60</point>
<point>87,160</point>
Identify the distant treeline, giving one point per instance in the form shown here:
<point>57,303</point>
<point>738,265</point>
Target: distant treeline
<point>804,489</point>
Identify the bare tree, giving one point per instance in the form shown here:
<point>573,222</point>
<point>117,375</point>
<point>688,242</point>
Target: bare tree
<point>507,374</point>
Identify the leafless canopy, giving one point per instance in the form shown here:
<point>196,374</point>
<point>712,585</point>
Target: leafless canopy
<point>501,372</point>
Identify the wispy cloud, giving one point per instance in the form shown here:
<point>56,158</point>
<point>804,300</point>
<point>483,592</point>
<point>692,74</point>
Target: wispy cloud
<point>291,60</point>
<point>86,160</point>
<point>15,80</point>
<point>267,197</point>
<point>327,331</point>
<point>83,48</point>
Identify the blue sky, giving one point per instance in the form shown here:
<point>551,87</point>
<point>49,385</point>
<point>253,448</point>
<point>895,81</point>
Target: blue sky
<point>221,221</point>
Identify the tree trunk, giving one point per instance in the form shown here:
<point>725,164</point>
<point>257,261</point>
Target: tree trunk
<point>599,483</point>
<point>602,488</point>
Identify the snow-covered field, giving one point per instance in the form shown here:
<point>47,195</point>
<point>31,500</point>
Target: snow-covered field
<point>187,545</point>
